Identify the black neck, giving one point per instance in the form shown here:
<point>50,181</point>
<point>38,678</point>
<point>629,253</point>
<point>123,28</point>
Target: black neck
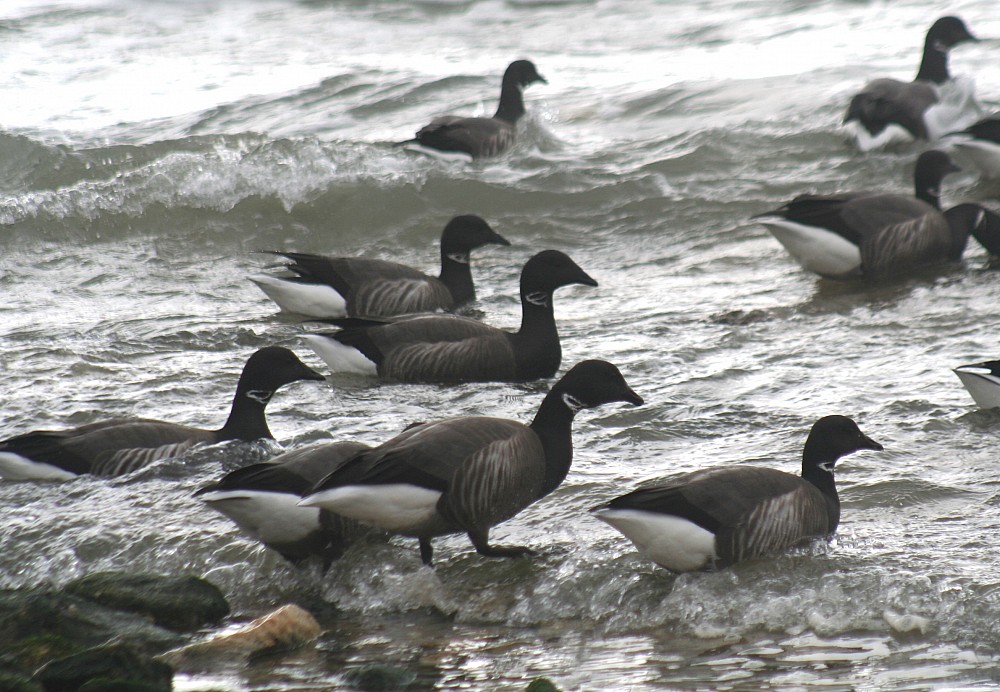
<point>511,106</point>
<point>934,65</point>
<point>456,275</point>
<point>554,426</point>
<point>817,468</point>
<point>536,343</point>
<point>246,418</point>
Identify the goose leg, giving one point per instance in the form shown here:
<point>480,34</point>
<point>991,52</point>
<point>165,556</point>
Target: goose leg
<point>426,550</point>
<point>481,540</point>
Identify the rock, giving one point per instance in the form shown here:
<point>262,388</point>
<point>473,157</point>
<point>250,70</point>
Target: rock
<point>182,604</point>
<point>377,677</point>
<point>15,682</point>
<point>105,667</point>
<point>541,685</point>
<point>285,628</point>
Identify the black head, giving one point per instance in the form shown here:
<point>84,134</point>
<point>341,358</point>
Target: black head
<point>547,271</point>
<point>591,383</point>
<point>832,437</point>
<point>947,32</point>
<point>931,168</point>
<point>270,368</point>
<point>523,73</point>
<point>466,233</point>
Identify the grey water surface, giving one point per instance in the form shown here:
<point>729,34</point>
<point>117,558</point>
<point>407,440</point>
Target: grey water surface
<point>149,149</point>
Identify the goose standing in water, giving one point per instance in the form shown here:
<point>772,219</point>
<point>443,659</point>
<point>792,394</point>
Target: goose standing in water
<point>359,287</point>
<point>122,445</point>
<point>482,137</point>
<point>262,500</point>
<point>874,235</point>
<point>888,111</point>
<point>468,474</point>
<point>982,380</point>
<point>447,348</point>
<point>716,517</point>
<point>979,144</point>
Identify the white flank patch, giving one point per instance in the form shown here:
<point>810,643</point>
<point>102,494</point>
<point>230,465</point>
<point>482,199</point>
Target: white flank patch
<point>14,467</point>
<point>437,153</point>
<point>339,357</point>
<point>314,300</point>
<point>982,385</point>
<point>956,109</point>
<point>892,135</point>
<point>816,249</point>
<point>670,541</point>
<point>273,518</point>
<point>393,507</point>
<point>982,154</point>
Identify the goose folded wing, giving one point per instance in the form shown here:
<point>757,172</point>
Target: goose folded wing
<point>293,472</point>
<point>476,136</point>
<point>822,211</point>
<point>885,101</point>
<point>910,242</point>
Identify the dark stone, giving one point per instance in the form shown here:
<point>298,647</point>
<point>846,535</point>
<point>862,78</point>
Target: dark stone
<point>541,685</point>
<point>15,682</point>
<point>111,666</point>
<point>377,677</point>
<point>182,604</point>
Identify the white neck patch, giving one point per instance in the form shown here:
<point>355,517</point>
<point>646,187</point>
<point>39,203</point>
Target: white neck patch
<point>261,396</point>
<point>539,298</point>
<point>460,257</point>
<point>827,466</point>
<point>572,403</point>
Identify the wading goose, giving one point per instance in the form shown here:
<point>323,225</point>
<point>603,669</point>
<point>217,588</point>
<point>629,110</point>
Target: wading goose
<point>262,499</point>
<point>716,517</point>
<point>888,111</point>
<point>979,144</point>
<point>447,348</point>
<point>358,287</point>
<point>983,382</point>
<point>874,235</point>
<point>119,446</point>
<point>480,137</point>
<point>466,475</point>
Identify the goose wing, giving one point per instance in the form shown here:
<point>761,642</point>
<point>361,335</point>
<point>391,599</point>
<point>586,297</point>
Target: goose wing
<point>109,448</point>
<point>752,511</point>
<point>912,242</point>
<point>474,136</point>
<point>886,101</point>
<point>372,286</point>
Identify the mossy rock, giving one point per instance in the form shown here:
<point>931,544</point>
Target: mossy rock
<point>111,666</point>
<point>377,677</point>
<point>15,682</point>
<point>182,604</point>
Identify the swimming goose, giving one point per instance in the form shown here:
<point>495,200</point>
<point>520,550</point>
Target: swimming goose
<point>262,499</point>
<point>874,235</point>
<point>119,446</point>
<point>479,137</point>
<point>447,348</point>
<point>983,382</point>
<point>716,517</point>
<point>887,111</point>
<point>979,144</point>
<point>351,286</point>
<point>466,475</point>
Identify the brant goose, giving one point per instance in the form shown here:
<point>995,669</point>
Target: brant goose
<point>979,144</point>
<point>479,137</point>
<point>983,382</point>
<point>888,110</point>
<point>716,517</point>
<point>357,287</point>
<point>466,475</point>
<point>448,348</point>
<point>119,446</point>
<point>873,235</point>
<point>262,499</point>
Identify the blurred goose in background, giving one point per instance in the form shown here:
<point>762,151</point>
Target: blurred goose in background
<point>448,348</point>
<point>715,517</point>
<point>263,500</point>
<point>359,287</point>
<point>122,445</point>
<point>874,235</point>
<point>889,111</point>
<point>482,137</point>
<point>983,382</point>
<point>979,144</point>
<point>468,474</point>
